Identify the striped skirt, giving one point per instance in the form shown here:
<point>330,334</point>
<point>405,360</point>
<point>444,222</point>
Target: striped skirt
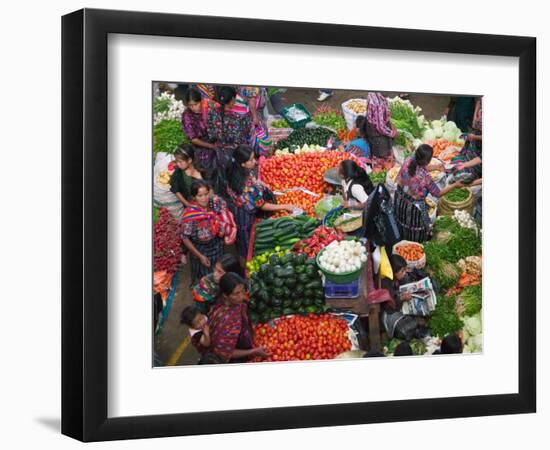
<point>244,220</point>
<point>412,217</point>
<point>213,250</point>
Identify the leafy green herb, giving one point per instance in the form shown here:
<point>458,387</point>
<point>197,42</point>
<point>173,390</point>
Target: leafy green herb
<point>457,195</point>
<point>330,119</point>
<point>471,298</point>
<point>444,319</point>
<point>405,121</point>
<point>378,177</point>
<point>161,104</point>
<point>167,135</point>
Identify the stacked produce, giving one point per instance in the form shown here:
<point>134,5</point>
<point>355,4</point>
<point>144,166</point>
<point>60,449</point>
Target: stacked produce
<point>418,346</point>
<point>303,136</point>
<point>166,243</point>
<point>297,150</point>
<point>167,131</point>
<point>322,236</point>
<point>329,117</point>
<point>457,195</point>
<point>280,123</point>
<point>166,107</point>
<point>441,129</point>
<point>404,117</point>
<point>340,257</point>
<point>444,319</point>
<point>451,242</point>
<point>472,334</point>
<point>440,145</point>
<point>283,232</point>
<point>410,251</point>
<point>304,170</point>
<point>285,285</point>
<point>327,204</point>
<point>306,201</point>
<point>310,337</point>
<point>378,177</point>
<point>358,106</point>
<point>255,263</point>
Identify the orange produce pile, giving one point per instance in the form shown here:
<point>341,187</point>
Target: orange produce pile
<point>303,170</point>
<point>441,144</point>
<point>308,337</point>
<point>162,281</point>
<point>300,199</point>
<point>411,252</point>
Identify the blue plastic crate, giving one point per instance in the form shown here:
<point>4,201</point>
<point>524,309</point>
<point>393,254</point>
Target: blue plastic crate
<point>346,290</point>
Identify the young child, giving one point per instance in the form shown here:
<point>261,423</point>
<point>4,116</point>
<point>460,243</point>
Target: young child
<point>359,146</point>
<point>451,344</point>
<point>199,330</point>
<point>207,289</point>
<point>403,349</point>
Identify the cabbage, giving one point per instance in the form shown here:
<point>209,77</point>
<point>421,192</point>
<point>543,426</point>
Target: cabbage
<point>436,124</point>
<point>438,131</point>
<point>428,135</point>
<point>450,126</point>
<point>451,135</point>
<point>472,325</point>
<point>416,143</point>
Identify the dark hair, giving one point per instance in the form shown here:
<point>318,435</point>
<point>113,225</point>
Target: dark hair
<point>230,263</point>
<point>224,94</point>
<point>397,262</point>
<point>351,171</point>
<point>188,315</point>
<point>236,173</point>
<point>451,344</point>
<point>422,157</point>
<point>185,152</point>
<point>192,95</point>
<point>373,354</point>
<point>229,281</point>
<point>196,185</point>
<point>403,349</point>
<point>360,124</point>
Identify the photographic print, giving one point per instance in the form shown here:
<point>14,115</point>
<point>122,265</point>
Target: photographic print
<point>297,224</point>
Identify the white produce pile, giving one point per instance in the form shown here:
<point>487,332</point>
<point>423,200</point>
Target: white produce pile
<point>343,256</point>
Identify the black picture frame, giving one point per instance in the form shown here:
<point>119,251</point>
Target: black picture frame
<point>84,224</point>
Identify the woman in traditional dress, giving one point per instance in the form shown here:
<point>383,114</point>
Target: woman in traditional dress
<point>205,225</point>
<point>414,183</point>
<point>247,195</point>
<point>379,130</point>
<point>230,330</point>
<point>184,174</point>
<point>194,122</point>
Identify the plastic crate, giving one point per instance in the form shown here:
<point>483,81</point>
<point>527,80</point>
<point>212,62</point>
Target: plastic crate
<point>347,290</point>
<point>299,123</point>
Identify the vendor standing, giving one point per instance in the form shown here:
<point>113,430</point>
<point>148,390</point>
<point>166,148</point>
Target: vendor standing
<point>194,122</point>
<point>205,224</point>
<point>247,195</point>
<point>230,331</point>
<point>380,131</point>
<point>414,183</point>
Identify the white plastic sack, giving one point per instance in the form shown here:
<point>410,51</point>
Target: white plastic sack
<point>349,115</point>
<point>162,196</point>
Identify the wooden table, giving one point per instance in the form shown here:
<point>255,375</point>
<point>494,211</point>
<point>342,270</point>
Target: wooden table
<point>361,307</point>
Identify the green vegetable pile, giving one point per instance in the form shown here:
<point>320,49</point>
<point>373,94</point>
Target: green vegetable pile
<point>444,320</point>
<point>457,195</point>
<point>471,298</point>
<point>326,204</point>
<point>168,135</point>
<point>378,177</point>
<point>161,104</point>
<point>282,123</point>
<point>330,119</point>
<point>406,122</point>
<point>255,263</point>
<point>450,243</point>
<point>283,232</point>
<point>303,136</point>
<point>290,284</point>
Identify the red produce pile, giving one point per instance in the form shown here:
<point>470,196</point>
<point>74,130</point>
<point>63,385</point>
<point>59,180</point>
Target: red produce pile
<point>166,243</point>
<point>321,237</point>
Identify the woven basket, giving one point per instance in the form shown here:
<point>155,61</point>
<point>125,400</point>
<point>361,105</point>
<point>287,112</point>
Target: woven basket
<point>447,208</point>
<point>419,263</point>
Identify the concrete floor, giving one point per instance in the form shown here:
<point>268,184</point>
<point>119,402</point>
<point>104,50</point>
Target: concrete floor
<point>171,343</point>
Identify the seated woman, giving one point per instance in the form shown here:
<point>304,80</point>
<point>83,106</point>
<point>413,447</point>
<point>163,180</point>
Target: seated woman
<point>186,172</point>
<point>205,224</point>
<point>414,183</point>
<point>194,122</point>
<point>359,146</point>
<point>356,184</point>
<point>208,289</point>
<point>230,330</point>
